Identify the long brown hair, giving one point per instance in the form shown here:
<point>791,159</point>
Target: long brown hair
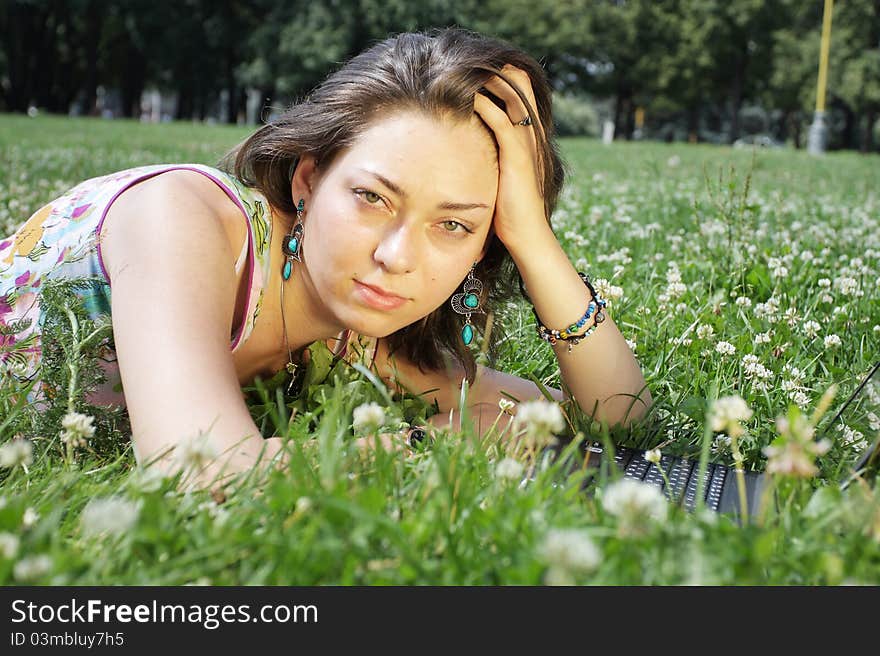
<point>438,73</point>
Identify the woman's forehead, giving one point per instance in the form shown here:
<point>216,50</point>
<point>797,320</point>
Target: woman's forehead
<point>412,148</point>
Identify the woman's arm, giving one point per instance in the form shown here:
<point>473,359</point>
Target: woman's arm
<point>171,268</point>
<point>601,368</point>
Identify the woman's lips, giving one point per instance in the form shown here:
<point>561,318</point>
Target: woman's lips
<point>376,299</point>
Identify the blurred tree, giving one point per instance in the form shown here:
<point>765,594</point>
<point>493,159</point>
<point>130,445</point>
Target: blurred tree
<point>791,87</point>
<point>854,69</point>
<point>691,63</point>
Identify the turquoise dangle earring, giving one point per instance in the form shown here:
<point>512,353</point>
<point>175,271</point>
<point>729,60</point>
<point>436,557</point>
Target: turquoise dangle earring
<point>292,244</point>
<point>467,303</point>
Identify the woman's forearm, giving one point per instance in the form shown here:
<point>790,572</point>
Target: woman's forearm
<point>601,368</point>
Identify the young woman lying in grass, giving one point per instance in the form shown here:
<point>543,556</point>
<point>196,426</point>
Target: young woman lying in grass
<point>397,203</point>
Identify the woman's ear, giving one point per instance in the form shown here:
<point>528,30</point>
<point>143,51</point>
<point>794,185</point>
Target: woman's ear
<point>305,175</point>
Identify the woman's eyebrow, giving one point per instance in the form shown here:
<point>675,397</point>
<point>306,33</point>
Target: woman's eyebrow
<point>445,205</point>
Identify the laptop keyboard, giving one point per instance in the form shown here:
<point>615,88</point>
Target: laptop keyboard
<point>683,476</point>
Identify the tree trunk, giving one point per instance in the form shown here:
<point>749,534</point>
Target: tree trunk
<point>736,93</point>
<point>94,22</point>
<point>867,144</point>
<point>39,67</point>
<point>232,88</point>
<point>693,123</point>
<point>796,131</point>
<point>849,128</point>
<point>622,111</point>
<point>14,45</point>
<point>133,81</point>
<point>185,104</point>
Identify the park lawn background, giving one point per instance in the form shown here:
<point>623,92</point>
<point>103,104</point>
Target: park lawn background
<point>735,223</point>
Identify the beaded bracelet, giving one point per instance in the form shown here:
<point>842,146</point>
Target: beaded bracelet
<point>596,304</point>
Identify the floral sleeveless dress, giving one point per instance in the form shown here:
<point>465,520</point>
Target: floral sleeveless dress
<point>60,241</point>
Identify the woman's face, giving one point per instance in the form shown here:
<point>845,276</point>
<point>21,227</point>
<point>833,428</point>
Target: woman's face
<point>406,209</point>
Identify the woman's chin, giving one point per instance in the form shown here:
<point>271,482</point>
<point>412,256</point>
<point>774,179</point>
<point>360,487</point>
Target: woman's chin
<point>373,329</point>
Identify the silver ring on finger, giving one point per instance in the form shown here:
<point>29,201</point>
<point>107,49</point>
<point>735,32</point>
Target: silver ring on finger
<point>526,121</point>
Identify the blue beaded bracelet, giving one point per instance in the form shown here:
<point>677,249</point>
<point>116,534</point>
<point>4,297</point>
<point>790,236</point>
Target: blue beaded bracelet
<point>570,334</point>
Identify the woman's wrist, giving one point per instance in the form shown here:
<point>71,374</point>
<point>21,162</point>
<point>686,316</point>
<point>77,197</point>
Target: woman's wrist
<point>527,249</point>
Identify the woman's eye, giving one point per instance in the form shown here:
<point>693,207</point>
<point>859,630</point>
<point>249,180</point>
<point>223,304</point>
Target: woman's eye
<point>451,227</point>
<point>371,197</point>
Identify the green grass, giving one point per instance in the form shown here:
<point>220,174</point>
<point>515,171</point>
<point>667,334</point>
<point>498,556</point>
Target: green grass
<point>445,514</point>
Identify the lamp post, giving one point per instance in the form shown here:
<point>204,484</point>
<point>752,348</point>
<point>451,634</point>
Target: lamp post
<point>818,136</point>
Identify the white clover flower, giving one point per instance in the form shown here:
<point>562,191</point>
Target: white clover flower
<point>726,413</point>
<point>16,453</point>
<point>506,405</point>
<point>509,469</point>
<point>539,417</point>
<point>769,309</point>
<point>789,385</point>
<point>791,459</point>
<point>763,338</point>
<point>568,552</point>
<point>673,161</point>
<point>721,443</point>
<point>195,452</point>
<point>78,429</point>
<point>832,341</point>
<point>705,330</point>
<point>824,283</point>
<point>725,348</point>
<point>109,516</point>
<point>847,286</point>
<point>811,328</point>
<point>795,452</point>
<point>753,369</point>
<point>653,456</point>
<point>794,372</point>
<point>606,290</point>
<point>743,301</point>
<point>368,416</point>
<point>854,439</point>
<point>29,518</point>
<point>31,568</point>
<point>8,545</point>
<point>800,399</point>
<point>676,289</point>
<point>635,504</point>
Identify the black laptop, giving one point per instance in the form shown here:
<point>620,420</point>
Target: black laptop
<point>719,489</point>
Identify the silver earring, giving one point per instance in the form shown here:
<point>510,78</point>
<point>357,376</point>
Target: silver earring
<point>468,302</point>
<point>292,243</point>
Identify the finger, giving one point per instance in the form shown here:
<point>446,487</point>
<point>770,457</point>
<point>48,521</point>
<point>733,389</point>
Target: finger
<point>523,82</point>
<point>509,141</point>
<point>519,150</point>
<point>515,110</point>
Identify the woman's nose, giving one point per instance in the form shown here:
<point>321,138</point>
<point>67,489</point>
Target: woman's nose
<point>397,250</point>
